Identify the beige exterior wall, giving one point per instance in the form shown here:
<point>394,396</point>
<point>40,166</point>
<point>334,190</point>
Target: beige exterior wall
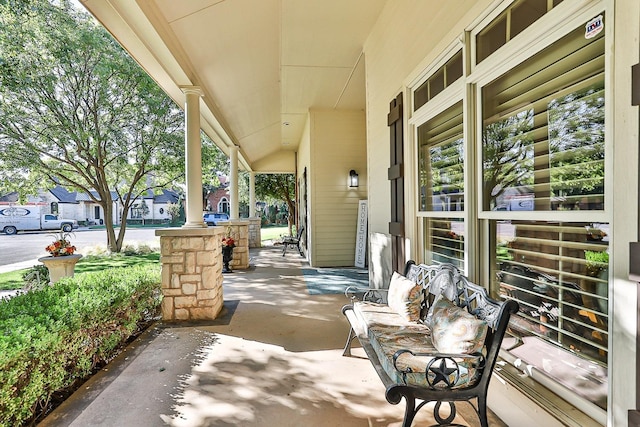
<point>407,39</point>
<point>406,35</point>
<point>332,145</point>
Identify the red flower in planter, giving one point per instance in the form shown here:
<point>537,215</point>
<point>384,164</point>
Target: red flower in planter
<point>228,241</point>
<point>61,246</point>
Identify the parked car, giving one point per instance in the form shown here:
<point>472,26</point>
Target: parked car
<point>213,218</point>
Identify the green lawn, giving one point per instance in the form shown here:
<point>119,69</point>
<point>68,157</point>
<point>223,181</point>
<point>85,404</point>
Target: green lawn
<point>13,280</point>
<point>273,233</point>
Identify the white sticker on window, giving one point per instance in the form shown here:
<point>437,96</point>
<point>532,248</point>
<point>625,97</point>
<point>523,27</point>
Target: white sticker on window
<point>594,27</point>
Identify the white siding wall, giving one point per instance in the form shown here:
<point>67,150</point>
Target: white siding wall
<point>337,145</point>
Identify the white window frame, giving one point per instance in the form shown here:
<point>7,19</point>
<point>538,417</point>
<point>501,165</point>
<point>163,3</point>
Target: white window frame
<point>451,95</point>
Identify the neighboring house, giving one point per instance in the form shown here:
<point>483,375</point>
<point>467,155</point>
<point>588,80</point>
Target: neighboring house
<point>81,207</point>
<point>218,200</point>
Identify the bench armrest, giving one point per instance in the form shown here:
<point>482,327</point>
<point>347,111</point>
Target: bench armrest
<point>361,293</point>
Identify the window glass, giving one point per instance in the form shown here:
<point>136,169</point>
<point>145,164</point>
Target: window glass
<point>543,150</point>
<point>491,38</point>
<point>454,68</point>
<point>436,83</point>
<point>439,81</point>
<point>444,241</point>
<point>558,273</point>
<point>515,19</point>
<point>441,161</point>
<point>543,131</point>
<point>526,13</point>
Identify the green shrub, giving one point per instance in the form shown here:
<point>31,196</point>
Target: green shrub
<point>52,337</point>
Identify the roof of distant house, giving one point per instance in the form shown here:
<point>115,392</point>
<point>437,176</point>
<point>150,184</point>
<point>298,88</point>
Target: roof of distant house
<point>63,195</point>
<point>167,196</point>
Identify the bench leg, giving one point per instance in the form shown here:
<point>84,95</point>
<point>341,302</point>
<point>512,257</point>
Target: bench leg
<point>347,346</point>
<point>482,411</point>
<point>409,411</point>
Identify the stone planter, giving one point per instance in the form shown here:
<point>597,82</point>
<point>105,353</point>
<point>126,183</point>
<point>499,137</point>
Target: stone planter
<point>60,266</point>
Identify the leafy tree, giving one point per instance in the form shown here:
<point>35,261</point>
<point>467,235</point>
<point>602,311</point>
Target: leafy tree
<point>576,145</point>
<point>173,209</point>
<point>76,110</point>
<point>507,153</point>
<point>278,187</point>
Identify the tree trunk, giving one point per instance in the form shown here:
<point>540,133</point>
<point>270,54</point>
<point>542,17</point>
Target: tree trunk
<point>107,206</point>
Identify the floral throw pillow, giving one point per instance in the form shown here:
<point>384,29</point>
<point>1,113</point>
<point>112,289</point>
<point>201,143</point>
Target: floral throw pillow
<point>455,330</point>
<point>405,297</point>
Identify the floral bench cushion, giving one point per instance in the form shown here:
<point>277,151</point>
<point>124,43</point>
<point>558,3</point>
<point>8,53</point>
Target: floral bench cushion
<point>453,372</point>
<point>455,330</point>
<point>446,354</point>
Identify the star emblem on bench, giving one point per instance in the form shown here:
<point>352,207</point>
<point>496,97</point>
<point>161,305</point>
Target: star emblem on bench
<point>443,373</point>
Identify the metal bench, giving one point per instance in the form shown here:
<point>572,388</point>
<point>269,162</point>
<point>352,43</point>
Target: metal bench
<point>435,386</point>
<point>292,242</point>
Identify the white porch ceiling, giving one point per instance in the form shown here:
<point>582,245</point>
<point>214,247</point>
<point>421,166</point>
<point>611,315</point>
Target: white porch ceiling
<point>262,64</point>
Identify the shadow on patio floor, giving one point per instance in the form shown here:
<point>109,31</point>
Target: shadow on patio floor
<point>272,359</point>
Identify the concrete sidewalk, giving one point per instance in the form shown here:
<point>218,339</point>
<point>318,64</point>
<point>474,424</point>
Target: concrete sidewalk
<point>19,265</point>
<point>273,359</point>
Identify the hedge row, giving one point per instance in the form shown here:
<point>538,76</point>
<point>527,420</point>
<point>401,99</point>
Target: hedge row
<point>51,338</point>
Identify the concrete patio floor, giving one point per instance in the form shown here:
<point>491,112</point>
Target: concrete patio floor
<point>273,359</point>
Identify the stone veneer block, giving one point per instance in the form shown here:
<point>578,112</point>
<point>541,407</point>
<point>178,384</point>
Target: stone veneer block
<point>206,258</point>
<point>182,314</point>
<point>167,307</point>
<point>206,294</point>
<point>190,262</point>
<point>189,288</point>
<point>185,301</point>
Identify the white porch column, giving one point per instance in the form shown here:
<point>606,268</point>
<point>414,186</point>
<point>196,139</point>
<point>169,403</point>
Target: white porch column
<point>233,158</point>
<point>193,157</point>
<point>252,194</point>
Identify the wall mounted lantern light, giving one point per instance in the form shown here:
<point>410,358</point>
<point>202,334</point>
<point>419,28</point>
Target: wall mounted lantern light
<point>353,179</point>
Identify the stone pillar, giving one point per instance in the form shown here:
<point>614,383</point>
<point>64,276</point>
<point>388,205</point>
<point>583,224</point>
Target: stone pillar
<point>193,158</point>
<point>191,272</point>
<point>233,188</point>
<point>252,195</point>
<point>255,235</point>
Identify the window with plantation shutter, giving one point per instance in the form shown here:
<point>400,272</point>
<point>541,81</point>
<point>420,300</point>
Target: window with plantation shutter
<point>441,161</point>
<point>542,152</point>
<point>441,185</point>
<point>543,132</point>
<point>444,241</point>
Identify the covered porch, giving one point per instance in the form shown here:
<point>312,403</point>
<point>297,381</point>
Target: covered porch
<point>273,358</point>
